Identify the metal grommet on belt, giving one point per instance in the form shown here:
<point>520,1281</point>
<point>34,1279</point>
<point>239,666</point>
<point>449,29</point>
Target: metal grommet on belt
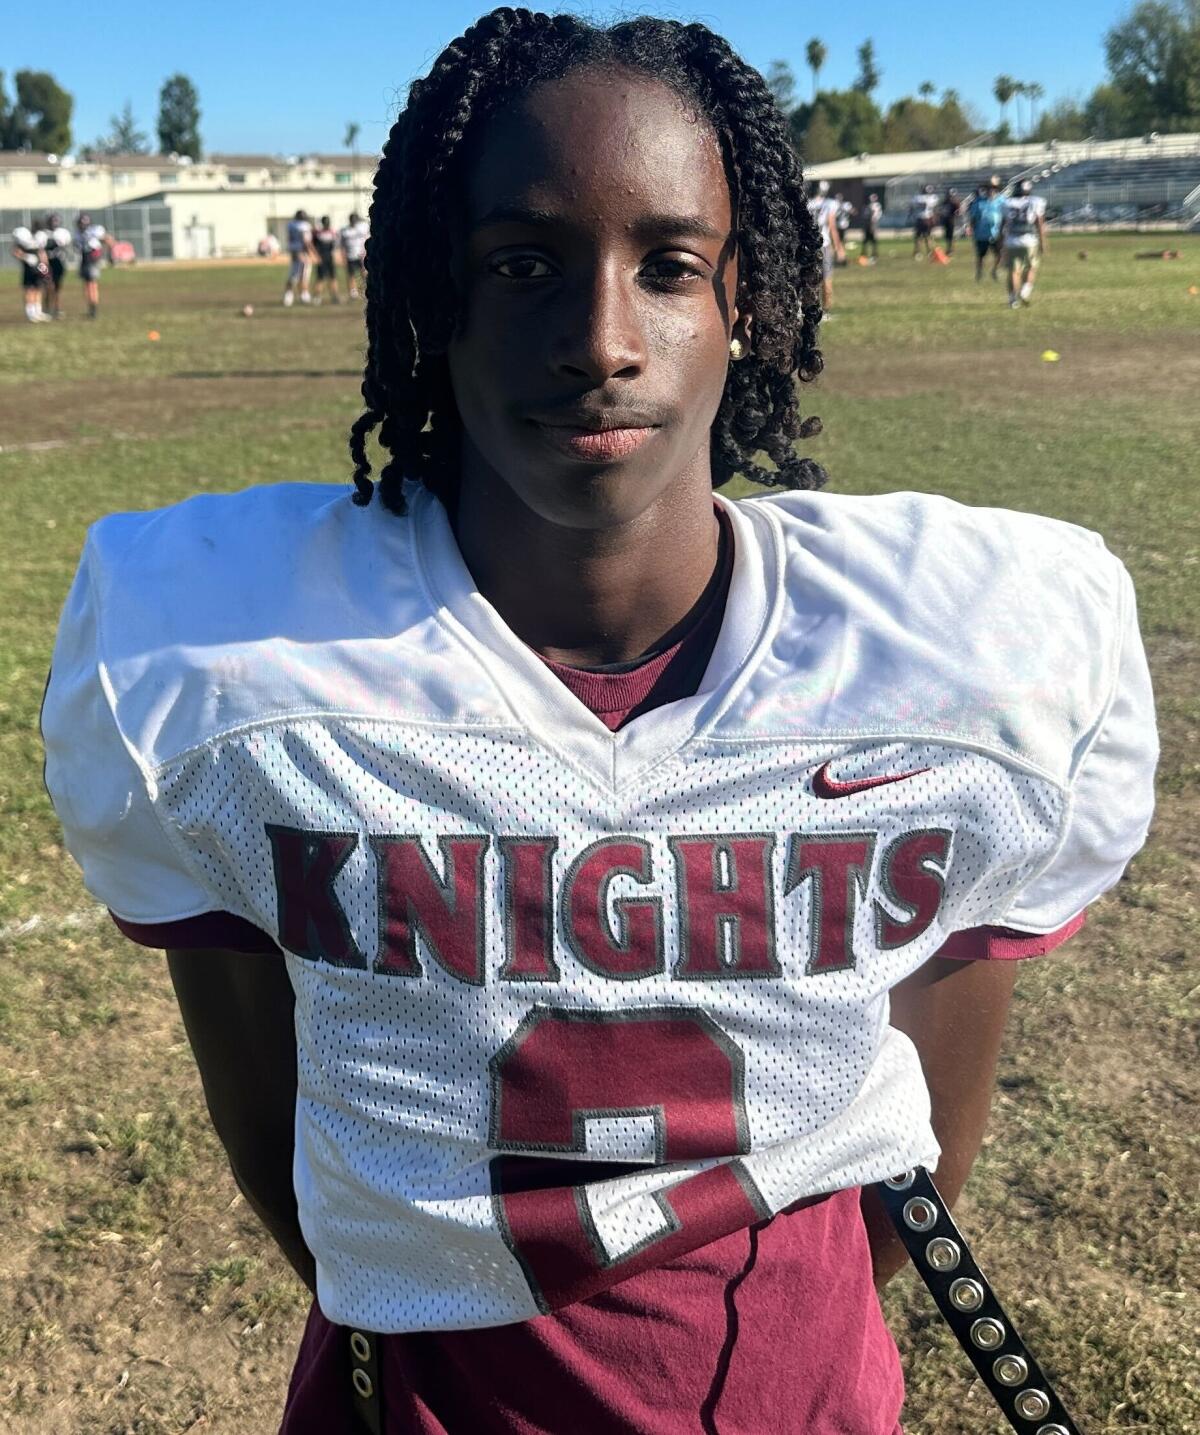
<point>943,1254</point>
<point>900,1183</point>
<point>987,1334</point>
<point>360,1345</point>
<point>920,1214</point>
<point>966,1294</point>
<point>1032,1404</point>
<point>1010,1369</point>
<point>1053,1430</point>
<point>362,1383</point>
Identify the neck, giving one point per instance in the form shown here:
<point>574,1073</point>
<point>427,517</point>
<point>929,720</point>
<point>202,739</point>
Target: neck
<point>589,596</point>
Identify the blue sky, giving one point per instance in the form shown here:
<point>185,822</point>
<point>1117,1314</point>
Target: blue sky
<point>285,79</point>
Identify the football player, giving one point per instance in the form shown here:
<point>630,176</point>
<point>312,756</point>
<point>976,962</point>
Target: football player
<point>353,241</point>
<point>301,257</point>
<point>921,212</point>
<point>58,257</point>
<point>93,242</point>
<point>28,248</point>
<point>601,883</point>
<point>1023,237</point>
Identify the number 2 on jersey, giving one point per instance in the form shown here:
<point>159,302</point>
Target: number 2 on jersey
<point>672,1067</point>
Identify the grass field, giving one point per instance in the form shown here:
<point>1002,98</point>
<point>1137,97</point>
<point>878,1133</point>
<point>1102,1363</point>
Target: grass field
<point>138,1292</point>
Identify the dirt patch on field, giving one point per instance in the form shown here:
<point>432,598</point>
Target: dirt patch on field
<point>170,405</point>
<point>1087,368</point>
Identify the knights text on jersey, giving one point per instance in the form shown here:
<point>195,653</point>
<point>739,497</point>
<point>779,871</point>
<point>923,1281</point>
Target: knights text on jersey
<point>570,1002</point>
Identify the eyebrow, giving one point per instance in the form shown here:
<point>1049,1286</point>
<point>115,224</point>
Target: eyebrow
<point>647,225</point>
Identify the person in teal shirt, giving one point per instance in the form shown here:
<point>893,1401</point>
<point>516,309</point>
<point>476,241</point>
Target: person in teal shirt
<point>985,216</point>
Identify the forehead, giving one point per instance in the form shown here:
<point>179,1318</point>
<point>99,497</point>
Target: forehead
<point>597,145</point>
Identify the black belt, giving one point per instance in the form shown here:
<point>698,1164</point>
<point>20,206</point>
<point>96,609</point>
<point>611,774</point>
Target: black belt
<point>961,1290</point>
<point>963,1295</point>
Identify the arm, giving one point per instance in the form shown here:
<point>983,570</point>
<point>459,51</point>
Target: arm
<point>238,1013</point>
<point>835,232</point>
<point>954,1012</point>
<point>1041,223</point>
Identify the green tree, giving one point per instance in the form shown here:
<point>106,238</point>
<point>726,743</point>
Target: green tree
<point>820,141</point>
<point>852,118</point>
<point>927,89</point>
<point>1004,88</point>
<point>916,124</point>
<point>41,117</point>
<point>816,54</point>
<point>1153,59</point>
<point>123,136</point>
<point>179,117</point>
<point>1066,120</point>
<point>781,81</point>
<point>1107,113</point>
<point>869,73</point>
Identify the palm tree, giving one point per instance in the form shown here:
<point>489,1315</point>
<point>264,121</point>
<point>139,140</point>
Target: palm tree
<point>816,54</point>
<point>926,89</point>
<point>1004,88</point>
<point>1035,93</point>
<point>351,143</point>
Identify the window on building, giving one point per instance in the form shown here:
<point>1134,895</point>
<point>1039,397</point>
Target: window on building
<point>236,177</point>
<point>168,177</point>
<point>47,179</point>
<point>343,176</point>
<point>279,176</point>
<point>123,178</point>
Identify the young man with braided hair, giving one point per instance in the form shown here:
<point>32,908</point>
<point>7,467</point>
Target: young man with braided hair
<point>595,877</point>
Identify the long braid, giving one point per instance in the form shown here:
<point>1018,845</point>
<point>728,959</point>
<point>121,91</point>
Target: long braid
<point>411,302</point>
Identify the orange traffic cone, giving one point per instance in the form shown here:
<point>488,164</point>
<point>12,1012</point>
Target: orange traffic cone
<point>939,255</point>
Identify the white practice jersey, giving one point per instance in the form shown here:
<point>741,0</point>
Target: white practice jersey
<point>30,242</point>
<point>571,1002</point>
<point>923,206</point>
<point>354,239</point>
<point>822,211</point>
<point>58,243</point>
<point>1021,214</point>
<point>91,241</point>
<point>299,236</point>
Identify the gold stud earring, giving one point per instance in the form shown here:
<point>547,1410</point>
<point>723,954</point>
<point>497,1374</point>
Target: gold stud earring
<point>736,348</point>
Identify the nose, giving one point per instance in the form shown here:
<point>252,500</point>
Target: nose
<point>599,334</point>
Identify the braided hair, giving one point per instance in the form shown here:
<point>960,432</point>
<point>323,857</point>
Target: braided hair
<point>410,301</point>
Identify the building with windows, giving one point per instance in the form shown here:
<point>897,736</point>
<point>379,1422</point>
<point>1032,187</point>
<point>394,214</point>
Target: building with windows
<point>170,207</point>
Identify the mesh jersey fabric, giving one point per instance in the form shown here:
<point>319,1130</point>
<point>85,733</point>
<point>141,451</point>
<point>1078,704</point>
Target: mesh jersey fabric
<point>517,938</point>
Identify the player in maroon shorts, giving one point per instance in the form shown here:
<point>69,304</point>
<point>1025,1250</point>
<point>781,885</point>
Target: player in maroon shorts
<point>581,889</point>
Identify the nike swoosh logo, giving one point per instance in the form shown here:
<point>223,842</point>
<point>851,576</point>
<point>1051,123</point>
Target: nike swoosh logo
<point>826,786</point>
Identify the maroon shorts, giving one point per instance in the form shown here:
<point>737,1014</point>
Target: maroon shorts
<point>776,1329</point>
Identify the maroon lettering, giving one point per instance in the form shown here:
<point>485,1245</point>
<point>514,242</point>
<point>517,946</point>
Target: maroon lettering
<point>726,906</point>
<point>447,911</point>
<point>528,909</point>
<point>560,1068</point>
<point>635,949</point>
<point>909,877</point>
<point>312,923</point>
<point>837,865</point>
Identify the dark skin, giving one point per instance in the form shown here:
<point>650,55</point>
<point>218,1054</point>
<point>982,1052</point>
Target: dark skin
<point>598,561</point>
<point>595,241</point>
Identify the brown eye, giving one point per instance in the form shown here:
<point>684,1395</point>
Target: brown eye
<point>672,271</point>
<point>523,266</point>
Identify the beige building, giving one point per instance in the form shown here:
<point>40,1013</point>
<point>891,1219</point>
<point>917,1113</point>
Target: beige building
<point>170,207</point>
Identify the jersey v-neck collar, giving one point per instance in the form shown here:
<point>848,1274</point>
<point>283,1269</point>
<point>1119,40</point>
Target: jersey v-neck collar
<point>539,701</point>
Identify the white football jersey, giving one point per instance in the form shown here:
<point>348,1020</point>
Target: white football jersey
<point>572,1002</point>
<point>1022,212</point>
<point>354,239</point>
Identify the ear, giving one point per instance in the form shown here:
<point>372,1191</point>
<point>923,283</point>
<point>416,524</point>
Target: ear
<point>743,324</point>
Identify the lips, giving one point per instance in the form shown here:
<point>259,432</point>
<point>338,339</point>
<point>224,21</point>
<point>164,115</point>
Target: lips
<point>595,437</point>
